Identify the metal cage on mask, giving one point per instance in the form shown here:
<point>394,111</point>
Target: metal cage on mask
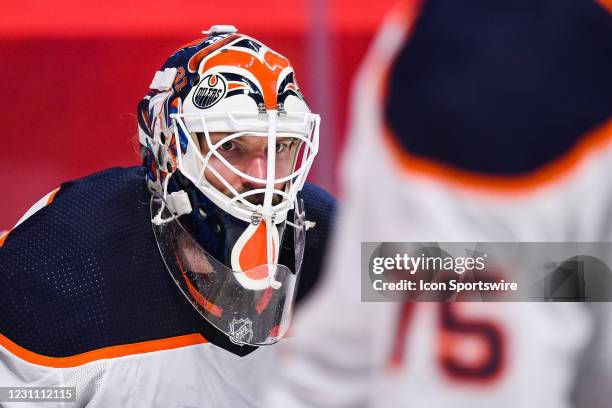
<point>301,126</point>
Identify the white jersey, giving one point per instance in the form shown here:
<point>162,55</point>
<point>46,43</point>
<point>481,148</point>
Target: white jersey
<point>180,372</point>
<point>348,353</point>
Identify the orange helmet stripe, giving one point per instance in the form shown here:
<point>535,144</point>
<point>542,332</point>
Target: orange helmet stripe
<point>267,72</point>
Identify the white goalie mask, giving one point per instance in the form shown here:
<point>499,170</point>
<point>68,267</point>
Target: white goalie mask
<point>226,115</point>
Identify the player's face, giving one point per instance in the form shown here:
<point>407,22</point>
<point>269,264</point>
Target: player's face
<point>249,154</point>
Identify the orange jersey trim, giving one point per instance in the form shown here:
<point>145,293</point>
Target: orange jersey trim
<point>557,169</point>
<point>3,236</point>
<point>103,353</point>
<point>52,196</point>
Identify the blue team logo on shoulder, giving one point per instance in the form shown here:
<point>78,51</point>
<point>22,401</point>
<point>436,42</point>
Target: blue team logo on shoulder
<point>210,90</point>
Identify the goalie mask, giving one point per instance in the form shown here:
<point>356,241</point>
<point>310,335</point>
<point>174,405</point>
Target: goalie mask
<point>228,141</point>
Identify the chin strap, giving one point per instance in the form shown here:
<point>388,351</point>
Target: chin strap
<point>307,224</point>
<point>300,217</point>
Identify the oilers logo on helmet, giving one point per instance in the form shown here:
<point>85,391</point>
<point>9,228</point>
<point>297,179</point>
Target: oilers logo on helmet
<point>211,90</point>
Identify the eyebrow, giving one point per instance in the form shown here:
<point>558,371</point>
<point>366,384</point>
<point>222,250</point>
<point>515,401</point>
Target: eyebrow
<point>285,139</point>
<point>220,135</point>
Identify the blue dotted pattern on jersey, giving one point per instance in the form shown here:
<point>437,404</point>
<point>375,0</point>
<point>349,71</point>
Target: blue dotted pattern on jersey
<point>85,272</point>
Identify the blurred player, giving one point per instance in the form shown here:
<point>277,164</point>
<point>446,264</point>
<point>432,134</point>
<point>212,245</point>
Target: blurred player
<point>472,121</point>
<point>154,286</point>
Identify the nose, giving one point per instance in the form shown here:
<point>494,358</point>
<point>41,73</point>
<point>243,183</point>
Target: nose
<point>256,167</point>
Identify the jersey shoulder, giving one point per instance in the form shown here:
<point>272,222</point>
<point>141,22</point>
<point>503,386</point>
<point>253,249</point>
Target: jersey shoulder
<point>84,272</point>
<point>318,203</point>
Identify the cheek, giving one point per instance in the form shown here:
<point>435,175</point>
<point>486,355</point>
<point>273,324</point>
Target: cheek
<point>280,186</point>
<point>284,165</point>
<point>232,178</point>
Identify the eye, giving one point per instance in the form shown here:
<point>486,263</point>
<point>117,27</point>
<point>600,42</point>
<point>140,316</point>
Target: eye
<point>280,147</point>
<point>228,146</point>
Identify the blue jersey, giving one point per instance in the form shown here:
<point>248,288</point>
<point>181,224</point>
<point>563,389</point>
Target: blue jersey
<point>82,282</point>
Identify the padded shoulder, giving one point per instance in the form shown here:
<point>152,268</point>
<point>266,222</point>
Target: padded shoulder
<point>84,272</point>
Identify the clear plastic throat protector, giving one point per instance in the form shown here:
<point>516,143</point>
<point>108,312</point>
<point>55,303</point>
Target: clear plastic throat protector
<point>252,305</point>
